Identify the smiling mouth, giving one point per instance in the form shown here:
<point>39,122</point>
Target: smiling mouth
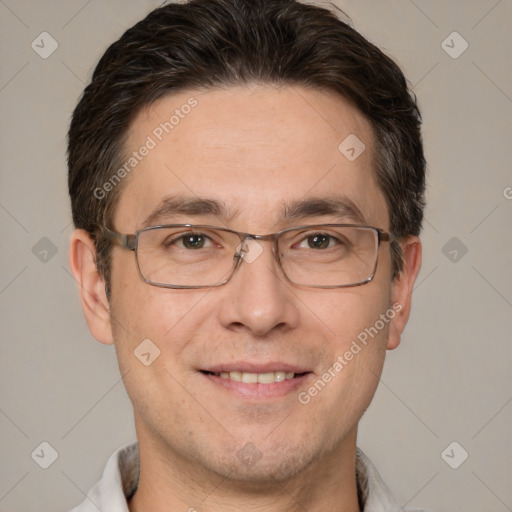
<point>256,378</point>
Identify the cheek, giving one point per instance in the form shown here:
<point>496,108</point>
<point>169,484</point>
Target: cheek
<point>141,311</point>
<point>151,336</point>
<point>356,327</point>
<point>345,313</point>
<point>157,314</point>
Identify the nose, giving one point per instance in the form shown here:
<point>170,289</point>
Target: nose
<point>258,297</point>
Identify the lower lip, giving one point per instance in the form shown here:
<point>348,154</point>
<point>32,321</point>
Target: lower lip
<point>257,390</point>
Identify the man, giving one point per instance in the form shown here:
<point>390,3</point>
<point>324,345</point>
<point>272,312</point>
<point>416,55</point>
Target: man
<point>247,183</point>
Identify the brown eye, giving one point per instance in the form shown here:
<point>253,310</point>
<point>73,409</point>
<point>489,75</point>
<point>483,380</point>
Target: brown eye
<point>193,241</point>
<point>189,241</point>
<point>318,241</point>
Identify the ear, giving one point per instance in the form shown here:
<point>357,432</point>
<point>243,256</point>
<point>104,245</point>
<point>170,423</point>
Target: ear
<point>82,262</point>
<point>402,287</point>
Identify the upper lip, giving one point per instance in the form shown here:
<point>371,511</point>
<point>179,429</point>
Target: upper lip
<point>248,367</point>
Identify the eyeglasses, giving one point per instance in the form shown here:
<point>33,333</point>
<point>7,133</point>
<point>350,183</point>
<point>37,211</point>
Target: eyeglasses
<point>202,256</point>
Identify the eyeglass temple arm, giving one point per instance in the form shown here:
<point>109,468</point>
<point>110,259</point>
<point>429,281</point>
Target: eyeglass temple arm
<point>385,236</point>
<point>127,241</point>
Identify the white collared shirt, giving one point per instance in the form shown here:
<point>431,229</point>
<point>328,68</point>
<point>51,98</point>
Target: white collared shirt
<point>121,476</point>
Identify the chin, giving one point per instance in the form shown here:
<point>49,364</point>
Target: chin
<point>251,468</point>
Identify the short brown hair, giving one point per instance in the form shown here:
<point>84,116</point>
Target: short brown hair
<point>207,43</point>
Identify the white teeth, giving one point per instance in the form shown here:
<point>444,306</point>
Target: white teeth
<point>250,378</point>
<point>266,378</point>
<point>253,378</point>
<point>280,376</point>
<point>235,376</point>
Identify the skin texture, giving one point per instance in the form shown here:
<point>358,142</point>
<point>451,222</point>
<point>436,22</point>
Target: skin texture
<point>252,148</point>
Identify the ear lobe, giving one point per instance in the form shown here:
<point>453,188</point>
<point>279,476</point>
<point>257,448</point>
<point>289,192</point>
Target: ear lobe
<point>402,288</point>
<point>91,285</point>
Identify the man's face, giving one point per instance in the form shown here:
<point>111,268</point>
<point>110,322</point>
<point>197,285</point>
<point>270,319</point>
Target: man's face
<point>254,151</point>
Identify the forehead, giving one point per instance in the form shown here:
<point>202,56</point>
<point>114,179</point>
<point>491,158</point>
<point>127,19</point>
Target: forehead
<point>253,150</point>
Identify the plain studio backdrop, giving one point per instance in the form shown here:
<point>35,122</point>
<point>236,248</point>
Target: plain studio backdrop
<point>439,428</point>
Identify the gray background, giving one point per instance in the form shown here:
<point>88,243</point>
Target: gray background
<point>450,380</point>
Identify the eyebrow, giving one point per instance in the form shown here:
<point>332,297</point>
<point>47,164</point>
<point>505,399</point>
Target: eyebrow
<point>190,206</point>
<point>338,206</point>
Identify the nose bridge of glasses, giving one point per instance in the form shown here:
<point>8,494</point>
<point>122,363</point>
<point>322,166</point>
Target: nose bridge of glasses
<point>250,248</point>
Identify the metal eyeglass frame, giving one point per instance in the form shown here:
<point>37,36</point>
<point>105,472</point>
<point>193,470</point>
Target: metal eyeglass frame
<point>130,242</point>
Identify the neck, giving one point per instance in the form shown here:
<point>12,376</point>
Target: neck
<point>167,479</point>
